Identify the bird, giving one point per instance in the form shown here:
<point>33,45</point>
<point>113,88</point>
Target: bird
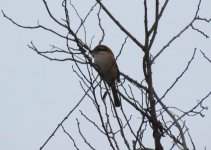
<point>106,65</point>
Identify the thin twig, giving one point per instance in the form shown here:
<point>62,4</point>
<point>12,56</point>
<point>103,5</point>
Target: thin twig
<point>65,118</point>
<point>205,56</point>
<point>119,25</point>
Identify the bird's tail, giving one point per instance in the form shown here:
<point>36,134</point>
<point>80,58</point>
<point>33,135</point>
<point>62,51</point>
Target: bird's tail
<point>117,102</point>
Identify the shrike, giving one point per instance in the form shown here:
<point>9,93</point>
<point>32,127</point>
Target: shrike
<point>108,69</point>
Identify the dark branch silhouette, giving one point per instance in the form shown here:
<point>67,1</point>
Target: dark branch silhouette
<point>140,114</point>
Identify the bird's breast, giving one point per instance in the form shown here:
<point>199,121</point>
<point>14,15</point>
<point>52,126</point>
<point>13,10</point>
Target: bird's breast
<point>107,66</point>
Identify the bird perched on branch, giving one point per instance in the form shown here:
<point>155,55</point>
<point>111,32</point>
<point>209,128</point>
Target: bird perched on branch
<point>107,68</point>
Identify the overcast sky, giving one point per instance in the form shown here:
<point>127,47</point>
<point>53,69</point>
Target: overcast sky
<point>36,94</point>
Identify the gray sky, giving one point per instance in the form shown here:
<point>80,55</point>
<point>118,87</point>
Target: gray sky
<point>36,94</point>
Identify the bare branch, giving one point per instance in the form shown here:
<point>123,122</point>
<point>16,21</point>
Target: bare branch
<point>146,109</point>
<point>205,56</point>
<point>180,76</point>
<point>195,18</point>
<point>65,118</point>
<point>101,27</point>
<point>119,25</point>
<point>85,140</point>
<point>35,27</point>
<point>91,122</point>
<point>172,40</point>
<point>72,139</point>
<point>201,32</point>
<point>51,15</point>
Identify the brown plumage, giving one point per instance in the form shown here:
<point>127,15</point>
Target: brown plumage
<point>108,69</point>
